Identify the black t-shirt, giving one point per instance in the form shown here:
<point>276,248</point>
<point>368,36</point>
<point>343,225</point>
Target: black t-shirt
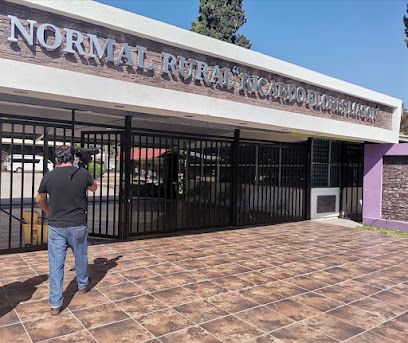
<point>67,191</point>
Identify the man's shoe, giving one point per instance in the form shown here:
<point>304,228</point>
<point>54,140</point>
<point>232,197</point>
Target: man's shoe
<point>83,291</point>
<point>86,289</point>
<point>55,311</point>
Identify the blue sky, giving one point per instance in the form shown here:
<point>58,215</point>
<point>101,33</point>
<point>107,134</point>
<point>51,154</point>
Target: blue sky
<point>356,41</point>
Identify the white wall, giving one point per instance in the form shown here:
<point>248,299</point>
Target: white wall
<point>313,202</point>
<point>78,88</point>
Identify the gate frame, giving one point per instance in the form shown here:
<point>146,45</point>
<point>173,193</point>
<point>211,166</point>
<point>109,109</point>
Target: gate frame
<point>343,185</point>
<point>178,136</point>
<point>126,133</point>
<point>306,177</point>
<point>122,192</point>
<point>45,123</point>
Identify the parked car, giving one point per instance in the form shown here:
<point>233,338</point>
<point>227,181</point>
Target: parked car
<point>17,163</point>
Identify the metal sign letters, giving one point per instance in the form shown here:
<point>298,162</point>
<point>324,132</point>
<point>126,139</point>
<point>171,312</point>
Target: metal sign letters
<point>185,68</point>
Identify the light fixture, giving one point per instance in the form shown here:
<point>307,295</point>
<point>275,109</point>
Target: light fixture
<point>20,92</point>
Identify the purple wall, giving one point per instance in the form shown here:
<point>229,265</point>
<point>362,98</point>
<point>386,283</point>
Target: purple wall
<point>372,188</point>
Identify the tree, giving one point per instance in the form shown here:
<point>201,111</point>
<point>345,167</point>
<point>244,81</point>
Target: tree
<point>404,122</point>
<point>406,28</point>
<point>221,19</point>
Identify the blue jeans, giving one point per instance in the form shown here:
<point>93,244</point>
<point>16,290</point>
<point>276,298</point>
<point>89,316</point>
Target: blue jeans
<point>58,241</point>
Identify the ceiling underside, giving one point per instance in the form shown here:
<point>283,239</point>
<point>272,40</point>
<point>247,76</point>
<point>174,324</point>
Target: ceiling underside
<point>93,118</point>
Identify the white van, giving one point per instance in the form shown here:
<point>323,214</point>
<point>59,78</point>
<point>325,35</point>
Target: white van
<point>17,163</point>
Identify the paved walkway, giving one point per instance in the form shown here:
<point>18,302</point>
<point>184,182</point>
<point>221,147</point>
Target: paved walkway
<point>299,282</point>
<point>339,221</point>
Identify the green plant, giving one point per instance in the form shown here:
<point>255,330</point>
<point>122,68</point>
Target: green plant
<point>386,231</point>
<point>221,19</point>
<point>96,170</point>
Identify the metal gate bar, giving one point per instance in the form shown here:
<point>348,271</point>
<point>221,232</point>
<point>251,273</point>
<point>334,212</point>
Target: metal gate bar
<point>23,143</point>
<point>352,165</point>
<point>153,182</point>
<point>177,182</point>
<point>271,182</point>
<point>104,206</point>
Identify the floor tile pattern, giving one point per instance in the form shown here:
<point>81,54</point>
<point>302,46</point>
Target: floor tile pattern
<point>287,283</point>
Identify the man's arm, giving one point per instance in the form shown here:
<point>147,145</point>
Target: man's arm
<point>42,203</point>
<point>94,187</point>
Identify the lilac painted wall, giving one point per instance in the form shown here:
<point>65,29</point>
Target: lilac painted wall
<point>372,187</point>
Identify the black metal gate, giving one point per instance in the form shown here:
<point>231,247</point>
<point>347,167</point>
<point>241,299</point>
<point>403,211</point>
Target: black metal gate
<point>179,182</point>
<point>149,182</point>
<point>271,182</point>
<point>105,206</point>
<point>352,174</point>
<point>26,147</point>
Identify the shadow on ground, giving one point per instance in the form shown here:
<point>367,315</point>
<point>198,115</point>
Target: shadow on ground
<point>97,271</point>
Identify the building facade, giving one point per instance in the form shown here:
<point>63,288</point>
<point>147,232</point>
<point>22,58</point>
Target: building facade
<point>193,132</point>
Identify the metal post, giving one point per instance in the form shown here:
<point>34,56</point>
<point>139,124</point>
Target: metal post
<point>361,168</point>
<point>280,188</point>
<point>73,128</point>
<point>234,170</point>
<point>127,189</point>
<point>45,170</point>
<point>308,181</point>
<point>329,165</point>
<point>343,190</point>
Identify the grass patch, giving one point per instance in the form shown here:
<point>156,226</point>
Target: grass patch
<point>386,231</point>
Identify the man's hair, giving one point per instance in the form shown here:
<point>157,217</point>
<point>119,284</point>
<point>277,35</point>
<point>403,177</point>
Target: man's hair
<point>64,154</point>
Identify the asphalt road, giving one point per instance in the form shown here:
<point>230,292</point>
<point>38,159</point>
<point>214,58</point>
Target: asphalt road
<point>28,184</point>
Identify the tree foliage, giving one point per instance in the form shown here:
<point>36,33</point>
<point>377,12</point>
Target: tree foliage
<point>404,123</point>
<point>221,19</point>
<point>406,28</point>
<point>95,170</point>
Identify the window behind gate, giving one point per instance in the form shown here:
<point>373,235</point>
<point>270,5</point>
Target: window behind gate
<point>326,163</point>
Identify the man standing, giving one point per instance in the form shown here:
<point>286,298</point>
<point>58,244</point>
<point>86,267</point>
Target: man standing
<point>67,218</point>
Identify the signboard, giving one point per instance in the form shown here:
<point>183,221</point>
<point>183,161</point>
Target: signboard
<point>51,38</point>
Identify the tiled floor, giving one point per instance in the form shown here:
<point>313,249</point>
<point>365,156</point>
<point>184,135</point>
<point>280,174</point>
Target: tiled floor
<point>299,282</point>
